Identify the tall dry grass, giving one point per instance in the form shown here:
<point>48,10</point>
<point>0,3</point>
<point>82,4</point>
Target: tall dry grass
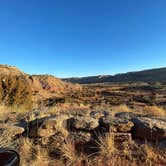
<point>155,111</point>
<point>32,154</point>
<point>120,108</point>
<point>106,144</point>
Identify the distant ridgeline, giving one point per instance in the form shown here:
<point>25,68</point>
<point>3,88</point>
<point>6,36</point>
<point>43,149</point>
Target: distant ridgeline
<point>152,75</point>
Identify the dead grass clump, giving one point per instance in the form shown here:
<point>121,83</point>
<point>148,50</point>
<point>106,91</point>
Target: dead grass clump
<point>106,145</point>
<point>41,157</point>
<point>68,151</point>
<point>71,156</point>
<point>150,154</point>
<point>26,151</point>
<point>121,108</point>
<point>32,154</point>
<point>155,111</point>
<point>5,140</point>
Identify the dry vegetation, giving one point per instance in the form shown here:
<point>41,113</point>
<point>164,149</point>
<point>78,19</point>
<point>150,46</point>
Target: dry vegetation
<point>49,96</point>
<point>155,111</point>
<point>32,153</point>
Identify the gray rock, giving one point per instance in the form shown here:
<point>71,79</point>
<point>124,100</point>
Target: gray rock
<point>49,126</point>
<point>83,123</point>
<point>116,124</point>
<point>149,129</point>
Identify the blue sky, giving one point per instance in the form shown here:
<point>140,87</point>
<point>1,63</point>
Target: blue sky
<point>82,37</point>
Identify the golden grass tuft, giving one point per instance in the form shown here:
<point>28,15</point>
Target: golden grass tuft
<point>68,151</point>
<point>26,151</point>
<point>121,108</point>
<point>32,154</point>
<point>5,140</point>
<point>155,111</point>
<point>106,145</point>
<point>150,154</point>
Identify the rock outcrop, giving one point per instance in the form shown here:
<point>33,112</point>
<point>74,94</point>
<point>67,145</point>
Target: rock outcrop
<point>49,126</point>
<point>20,89</point>
<point>116,124</point>
<point>83,123</point>
<point>147,128</point>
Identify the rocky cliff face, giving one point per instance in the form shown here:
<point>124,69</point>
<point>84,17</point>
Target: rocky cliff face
<point>18,88</point>
<point>14,87</point>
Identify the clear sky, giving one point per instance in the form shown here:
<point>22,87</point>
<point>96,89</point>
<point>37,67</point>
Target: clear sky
<point>83,37</point>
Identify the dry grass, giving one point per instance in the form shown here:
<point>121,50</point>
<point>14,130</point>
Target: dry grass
<point>150,154</point>
<point>70,156</point>
<point>5,140</point>
<point>155,111</point>
<point>32,154</point>
<point>106,145</point>
<point>120,108</point>
<point>68,151</point>
<point>41,157</point>
<point>26,151</point>
<point>108,154</point>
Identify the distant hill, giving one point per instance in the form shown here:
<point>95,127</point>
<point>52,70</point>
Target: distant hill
<point>152,75</point>
<point>18,88</point>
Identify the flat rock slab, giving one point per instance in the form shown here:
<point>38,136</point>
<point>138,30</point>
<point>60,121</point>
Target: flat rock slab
<point>149,128</point>
<point>49,126</point>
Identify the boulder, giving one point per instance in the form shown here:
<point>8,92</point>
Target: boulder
<point>49,126</point>
<point>151,129</point>
<point>83,123</point>
<point>114,124</point>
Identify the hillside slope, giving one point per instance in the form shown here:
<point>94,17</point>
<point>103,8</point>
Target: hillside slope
<point>18,88</point>
<point>14,87</point>
<point>152,75</point>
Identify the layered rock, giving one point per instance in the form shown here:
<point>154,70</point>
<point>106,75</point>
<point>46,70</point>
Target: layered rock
<point>147,128</point>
